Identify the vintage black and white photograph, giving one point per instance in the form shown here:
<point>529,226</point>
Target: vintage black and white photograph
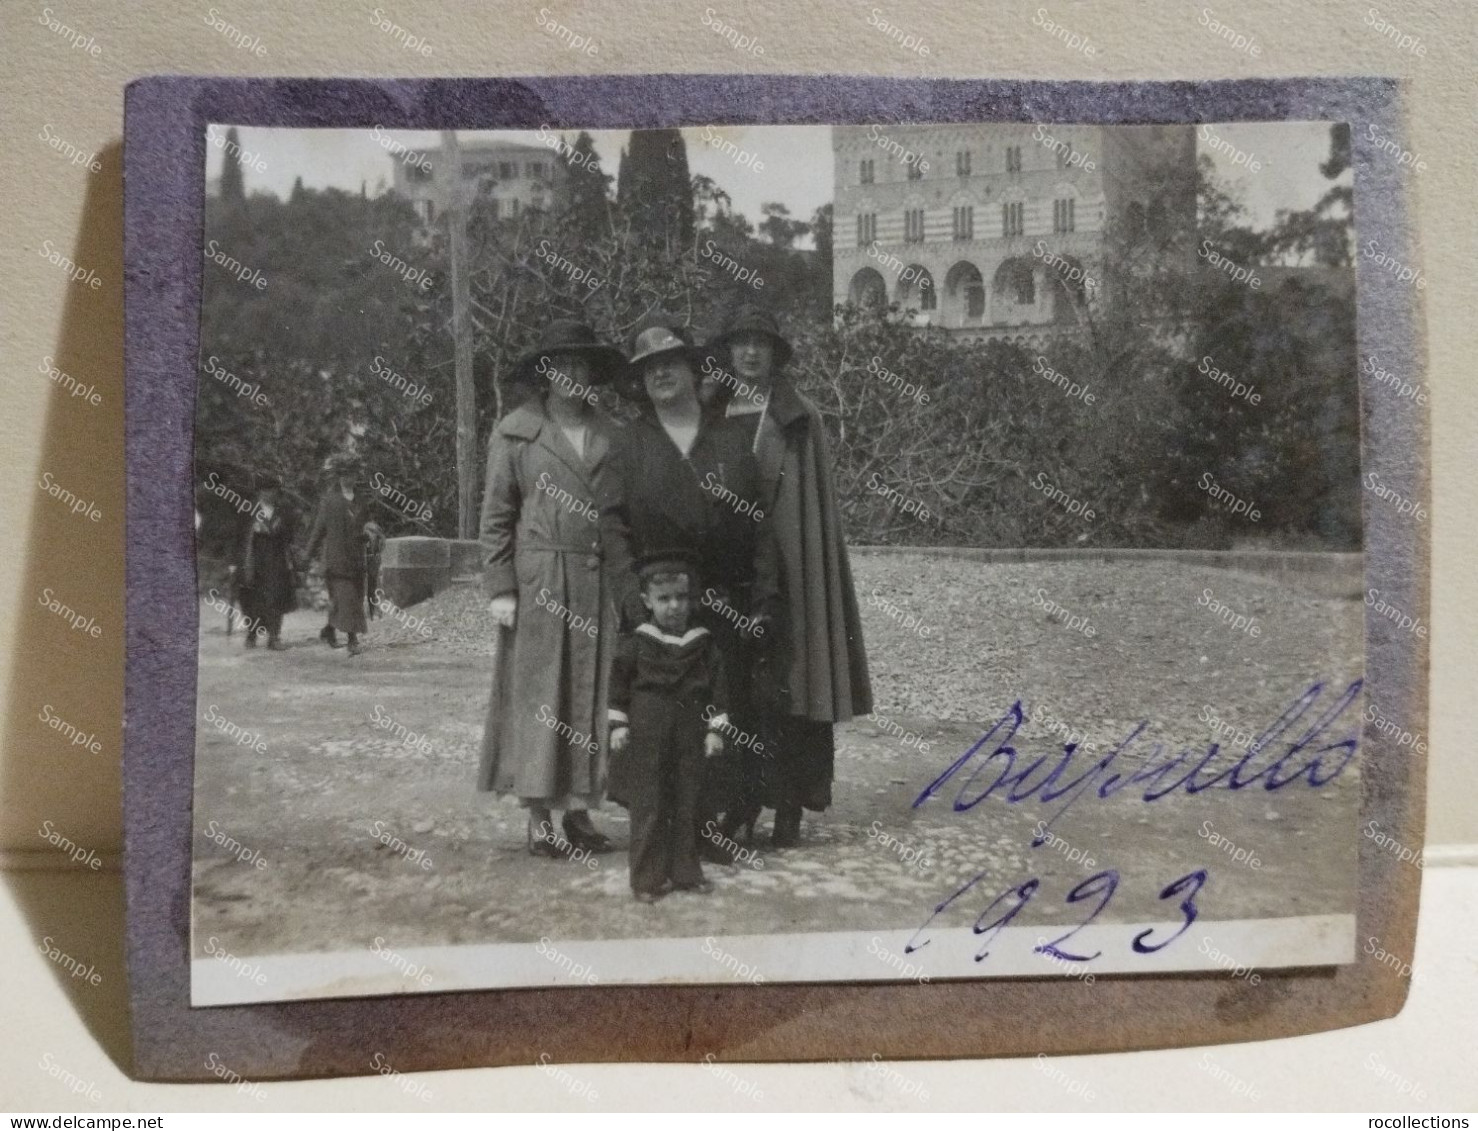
<point>875,552</point>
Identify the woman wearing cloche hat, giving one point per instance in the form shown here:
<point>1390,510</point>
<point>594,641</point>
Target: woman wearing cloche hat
<point>825,680</point>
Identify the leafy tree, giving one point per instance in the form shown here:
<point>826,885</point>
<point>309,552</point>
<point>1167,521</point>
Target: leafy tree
<point>1322,233</point>
<point>339,331</point>
<point>779,229</point>
<point>822,232</point>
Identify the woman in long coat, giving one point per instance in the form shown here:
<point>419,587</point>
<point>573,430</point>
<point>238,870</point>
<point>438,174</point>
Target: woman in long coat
<point>265,576</point>
<point>340,528</point>
<point>545,573</point>
<point>687,481</point>
<point>826,679</point>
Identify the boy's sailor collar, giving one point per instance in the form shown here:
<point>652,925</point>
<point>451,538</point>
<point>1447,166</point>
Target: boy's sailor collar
<point>647,628</point>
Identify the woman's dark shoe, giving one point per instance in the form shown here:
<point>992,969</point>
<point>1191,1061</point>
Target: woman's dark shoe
<point>737,819</point>
<point>275,645</point>
<point>787,831</point>
<point>582,833</point>
<point>329,636</point>
<point>715,852</point>
<point>541,842</point>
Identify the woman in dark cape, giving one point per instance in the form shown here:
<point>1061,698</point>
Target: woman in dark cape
<point>824,679</point>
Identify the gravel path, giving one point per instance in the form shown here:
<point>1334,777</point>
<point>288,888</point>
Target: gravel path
<point>330,784</point>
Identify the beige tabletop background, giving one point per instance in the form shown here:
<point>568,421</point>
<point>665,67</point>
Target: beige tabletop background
<point>78,93</point>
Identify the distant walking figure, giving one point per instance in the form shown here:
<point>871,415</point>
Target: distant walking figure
<point>265,579</point>
<point>340,529</point>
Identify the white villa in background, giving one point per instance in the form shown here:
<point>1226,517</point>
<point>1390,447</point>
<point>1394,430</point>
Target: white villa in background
<point>997,230</point>
<point>512,176</point>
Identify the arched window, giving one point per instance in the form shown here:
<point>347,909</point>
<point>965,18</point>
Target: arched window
<point>964,294</point>
<point>916,288</point>
<point>867,289</point>
<point>1014,284</point>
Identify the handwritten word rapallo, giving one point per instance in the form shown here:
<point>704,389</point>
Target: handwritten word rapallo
<point>1323,758</point>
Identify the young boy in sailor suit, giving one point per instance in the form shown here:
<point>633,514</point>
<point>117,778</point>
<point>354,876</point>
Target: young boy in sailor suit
<point>668,703</point>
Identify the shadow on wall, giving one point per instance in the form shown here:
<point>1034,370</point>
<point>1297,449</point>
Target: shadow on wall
<point>56,781</point>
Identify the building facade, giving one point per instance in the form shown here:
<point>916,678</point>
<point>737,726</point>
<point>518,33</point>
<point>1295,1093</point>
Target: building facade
<point>999,230</point>
<point>511,176</point>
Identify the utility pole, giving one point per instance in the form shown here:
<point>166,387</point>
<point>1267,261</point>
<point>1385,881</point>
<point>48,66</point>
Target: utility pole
<point>455,206</point>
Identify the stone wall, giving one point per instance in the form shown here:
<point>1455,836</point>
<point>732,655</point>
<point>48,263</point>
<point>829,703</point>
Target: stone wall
<point>413,569</point>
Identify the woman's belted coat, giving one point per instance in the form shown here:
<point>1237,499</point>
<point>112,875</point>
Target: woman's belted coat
<point>542,538</point>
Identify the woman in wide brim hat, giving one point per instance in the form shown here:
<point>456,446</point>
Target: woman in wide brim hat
<point>824,678</point>
<point>546,574</point>
<point>656,338</point>
<point>567,338</point>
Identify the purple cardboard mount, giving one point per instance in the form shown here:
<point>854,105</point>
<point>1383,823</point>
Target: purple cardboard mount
<point>164,163</point>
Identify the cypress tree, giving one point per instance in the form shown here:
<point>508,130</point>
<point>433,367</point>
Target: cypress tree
<point>233,182</point>
<point>655,189</point>
<point>587,187</point>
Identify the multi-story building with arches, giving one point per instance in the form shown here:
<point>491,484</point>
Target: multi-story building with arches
<point>999,230</point>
